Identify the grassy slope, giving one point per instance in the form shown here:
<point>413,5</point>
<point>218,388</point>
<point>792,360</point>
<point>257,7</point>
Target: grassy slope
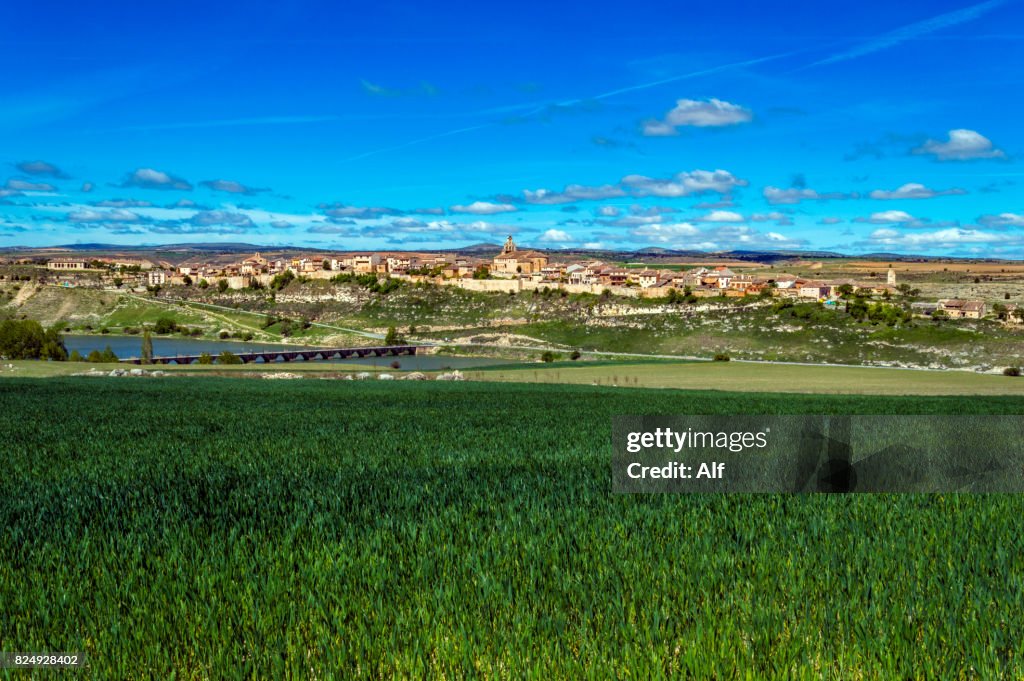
<point>574,321</point>
<point>221,528</point>
<point>87,310</point>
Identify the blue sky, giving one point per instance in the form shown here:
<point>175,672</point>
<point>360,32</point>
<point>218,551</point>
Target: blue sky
<point>860,127</point>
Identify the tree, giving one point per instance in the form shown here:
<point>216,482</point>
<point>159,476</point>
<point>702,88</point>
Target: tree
<point>392,337</point>
<point>118,281</point>
<point>147,347</point>
<point>1011,371</point>
<point>575,355</point>
<point>203,284</point>
<point>26,339</point>
<point>222,285</point>
<point>206,358</point>
<point>186,280</point>
<point>547,357</point>
<point>107,356</point>
<point>75,356</point>
<point>227,357</point>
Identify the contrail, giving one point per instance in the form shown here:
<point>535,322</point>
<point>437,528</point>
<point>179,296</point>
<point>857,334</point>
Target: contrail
<point>604,95</point>
<point>910,32</point>
<point>418,141</point>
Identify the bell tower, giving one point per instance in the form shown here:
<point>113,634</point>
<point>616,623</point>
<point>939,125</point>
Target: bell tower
<point>509,247</point>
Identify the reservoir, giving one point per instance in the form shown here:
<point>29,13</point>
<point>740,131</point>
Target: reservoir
<point>131,346</point>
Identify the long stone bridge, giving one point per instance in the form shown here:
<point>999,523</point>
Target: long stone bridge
<point>269,356</point>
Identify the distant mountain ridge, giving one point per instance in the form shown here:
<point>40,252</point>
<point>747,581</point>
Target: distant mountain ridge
<point>488,250</point>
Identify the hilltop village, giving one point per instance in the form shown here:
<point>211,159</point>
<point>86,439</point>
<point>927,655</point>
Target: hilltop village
<point>509,270</point>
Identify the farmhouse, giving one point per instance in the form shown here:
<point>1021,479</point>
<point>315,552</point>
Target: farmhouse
<point>956,308</point>
<point>816,290</point>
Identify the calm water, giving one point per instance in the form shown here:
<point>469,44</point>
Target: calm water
<point>131,346</point>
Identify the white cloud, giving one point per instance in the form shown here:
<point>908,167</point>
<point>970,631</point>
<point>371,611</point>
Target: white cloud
<point>700,113</point>
<point>41,168</point>
<point>665,233</point>
<point>943,238</point>
<point>89,215</point>
<point>912,190</point>
<point>707,113</point>
<point>656,128</point>
<point>962,145</point>
<point>722,216</point>
<point>148,178</point>
<point>608,211</point>
<point>684,184</point>
<point>555,236</point>
<point>232,187</point>
<point>17,185</point>
<point>484,208</point>
<point>777,196</point>
<point>890,217</point>
<point>573,193</point>
<point>1003,220</point>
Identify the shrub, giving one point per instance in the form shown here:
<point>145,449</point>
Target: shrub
<point>281,280</point>
<point>547,357</point>
<point>1011,371</point>
<point>165,325</point>
<point>575,355</point>
<point>721,357</point>
<point>228,358</point>
<point>206,358</point>
<point>223,335</point>
<point>396,364</point>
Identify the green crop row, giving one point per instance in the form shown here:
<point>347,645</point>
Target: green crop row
<point>218,528</point>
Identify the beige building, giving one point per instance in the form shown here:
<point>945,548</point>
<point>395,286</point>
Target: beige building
<point>64,265</point>
<point>963,309</point>
<point>512,261</point>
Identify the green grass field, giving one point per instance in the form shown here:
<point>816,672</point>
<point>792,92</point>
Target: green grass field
<point>219,528</point>
<point>759,377</point>
<point>724,376</point>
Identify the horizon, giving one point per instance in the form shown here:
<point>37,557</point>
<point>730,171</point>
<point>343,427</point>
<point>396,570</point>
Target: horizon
<point>768,131</point>
<point>231,248</point>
